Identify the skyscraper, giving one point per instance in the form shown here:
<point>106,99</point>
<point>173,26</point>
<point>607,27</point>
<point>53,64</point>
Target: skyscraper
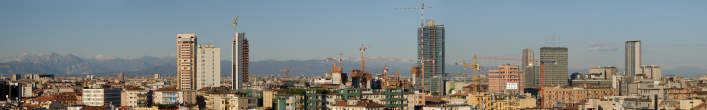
<point>208,66</point>
<point>633,57</point>
<point>240,61</point>
<point>431,54</point>
<point>528,61</point>
<point>186,61</point>
<point>555,60</point>
<point>528,57</point>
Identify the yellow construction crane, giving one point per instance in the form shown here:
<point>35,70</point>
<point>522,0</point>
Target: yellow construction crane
<point>235,23</point>
<point>474,77</point>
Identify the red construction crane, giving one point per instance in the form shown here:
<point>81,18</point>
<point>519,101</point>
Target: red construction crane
<point>363,60</point>
<point>286,71</point>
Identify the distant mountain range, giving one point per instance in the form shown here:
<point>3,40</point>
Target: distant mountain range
<point>72,65</point>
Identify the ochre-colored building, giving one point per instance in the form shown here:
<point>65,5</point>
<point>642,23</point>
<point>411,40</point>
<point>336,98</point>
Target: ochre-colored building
<point>507,78</point>
<point>552,95</point>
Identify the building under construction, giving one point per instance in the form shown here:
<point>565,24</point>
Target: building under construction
<point>240,58</point>
<point>431,55</point>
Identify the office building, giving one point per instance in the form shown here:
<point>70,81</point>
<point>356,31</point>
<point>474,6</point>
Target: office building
<point>528,58</point>
<point>507,78</point>
<point>101,96</point>
<point>651,72</point>
<point>528,67</point>
<point>599,76</point>
<point>602,72</point>
<point>431,54</point>
<point>208,67</point>
<point>555,60</point>
<point>240,61</point>
<point>186,61</point>
<point>633,57</point>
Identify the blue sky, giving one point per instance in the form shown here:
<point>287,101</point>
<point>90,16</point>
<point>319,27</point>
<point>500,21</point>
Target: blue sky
<point>673,32</point>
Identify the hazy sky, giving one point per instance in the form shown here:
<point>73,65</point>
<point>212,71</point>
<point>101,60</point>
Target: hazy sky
<point>673,31</point>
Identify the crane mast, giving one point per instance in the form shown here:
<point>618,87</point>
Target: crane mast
<point>363,60</point>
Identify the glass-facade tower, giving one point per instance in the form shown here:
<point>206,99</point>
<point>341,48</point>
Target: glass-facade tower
<point>431,52</point>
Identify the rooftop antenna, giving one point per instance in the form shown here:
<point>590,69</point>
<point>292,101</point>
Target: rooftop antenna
<point>554,41</point>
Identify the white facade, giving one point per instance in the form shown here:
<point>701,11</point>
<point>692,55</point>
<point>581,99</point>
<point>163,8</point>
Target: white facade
<point>336,78</point>
<point>168,97</point>
<point>208,67</point>
<point>27,90</point>
<point>101,96</point>
<point>240,61</point>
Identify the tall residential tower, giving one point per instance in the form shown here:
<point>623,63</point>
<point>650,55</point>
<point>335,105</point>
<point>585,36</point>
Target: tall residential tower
<point>431,53</point>
<point>186,61</point>
<point>208,66</point>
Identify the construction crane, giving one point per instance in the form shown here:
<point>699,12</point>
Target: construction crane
<point>286,71</point>
<point>339,60</point>
<point>476,67</point>
<point>420,37</point>
<point>363,60</point>
<point>235,23</point>
<point>475,77</point>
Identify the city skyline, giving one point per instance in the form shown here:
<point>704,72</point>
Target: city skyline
<point>299,55</point>
<point>593,35</point>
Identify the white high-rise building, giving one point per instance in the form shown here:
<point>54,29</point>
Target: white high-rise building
<point>633,57</point>
<point>240,59</point>
<point>186,61</point>
<point>208,66</point>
